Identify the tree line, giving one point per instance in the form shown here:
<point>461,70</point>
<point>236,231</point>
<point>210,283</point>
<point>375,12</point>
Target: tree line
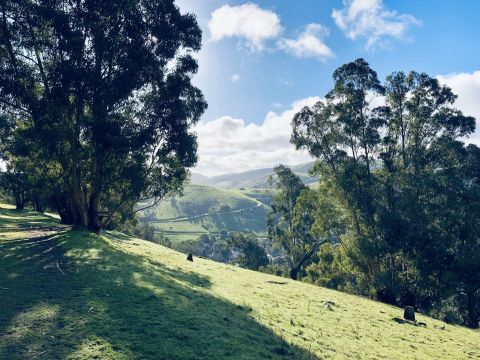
<point>398,199</point>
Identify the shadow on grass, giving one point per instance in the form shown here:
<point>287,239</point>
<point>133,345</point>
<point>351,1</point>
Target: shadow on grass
<point>403,321</point>
<point>75,296</point>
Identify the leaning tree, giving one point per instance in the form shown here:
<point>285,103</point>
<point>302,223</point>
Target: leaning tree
<point>299,221</point>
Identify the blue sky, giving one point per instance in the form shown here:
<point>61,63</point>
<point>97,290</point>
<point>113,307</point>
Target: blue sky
<point>262,60</point>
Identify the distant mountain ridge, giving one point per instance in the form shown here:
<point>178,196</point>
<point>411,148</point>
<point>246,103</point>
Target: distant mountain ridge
<point>257,178</point>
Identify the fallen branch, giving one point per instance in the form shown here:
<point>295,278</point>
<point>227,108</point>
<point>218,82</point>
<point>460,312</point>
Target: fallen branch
<point>60,269</point>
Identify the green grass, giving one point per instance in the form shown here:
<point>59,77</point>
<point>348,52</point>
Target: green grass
<point>76,295</point>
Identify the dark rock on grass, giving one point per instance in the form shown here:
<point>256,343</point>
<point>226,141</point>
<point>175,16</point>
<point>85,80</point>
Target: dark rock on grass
<point>409,313</point>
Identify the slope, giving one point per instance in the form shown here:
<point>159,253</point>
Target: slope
<point>76,295</point>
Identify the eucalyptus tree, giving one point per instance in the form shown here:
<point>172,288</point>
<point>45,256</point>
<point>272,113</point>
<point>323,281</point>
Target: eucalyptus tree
<point>385,163</point>
<point>106,88</point>
<point>298,221</point>
<point>280,220</point>
<point>343,132</point>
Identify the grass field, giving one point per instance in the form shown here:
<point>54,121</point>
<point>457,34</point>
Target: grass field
<point>75,295</point>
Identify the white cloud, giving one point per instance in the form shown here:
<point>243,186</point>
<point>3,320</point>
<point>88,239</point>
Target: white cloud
<point>248,22</point>
<point>254,26</point>
<point>371,20</point>
<point>229,145</point>
<point>308,44</point>
<point>235,77</point>
<point>232,145</point>
<point>467,87</point>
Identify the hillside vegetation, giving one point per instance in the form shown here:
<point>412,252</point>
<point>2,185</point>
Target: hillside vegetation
<point>75,295</point>
<point>208,210</point>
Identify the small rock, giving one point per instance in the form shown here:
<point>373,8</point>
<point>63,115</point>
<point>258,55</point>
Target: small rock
<point>190,257</point>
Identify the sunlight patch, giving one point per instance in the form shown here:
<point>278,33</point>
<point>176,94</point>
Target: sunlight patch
<point>27,331</point>
<point>98,348</point>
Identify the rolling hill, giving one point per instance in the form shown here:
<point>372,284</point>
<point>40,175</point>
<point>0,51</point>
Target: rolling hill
<point>76,295</point>
<point>208,210</point>
<point>250,179</point>
<point>231,202</point>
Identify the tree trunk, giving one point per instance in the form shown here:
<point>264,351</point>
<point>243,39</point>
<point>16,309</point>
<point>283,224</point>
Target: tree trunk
<point>38,204</point>
<point>294,273</point>
<point>19,200</point>
<point>94,221</point>
<point>79,211</point>
<point>61,203</point>
<point>39,207</point>
<point>77,203</point>
<point>295,270</point>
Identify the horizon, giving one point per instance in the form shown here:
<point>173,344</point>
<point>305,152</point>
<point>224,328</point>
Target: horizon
<point>256,169</point>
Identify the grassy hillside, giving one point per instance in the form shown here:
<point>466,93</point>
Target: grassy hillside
<point>204,209</point>
<point>75,295</point>
<point>232,202</point>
